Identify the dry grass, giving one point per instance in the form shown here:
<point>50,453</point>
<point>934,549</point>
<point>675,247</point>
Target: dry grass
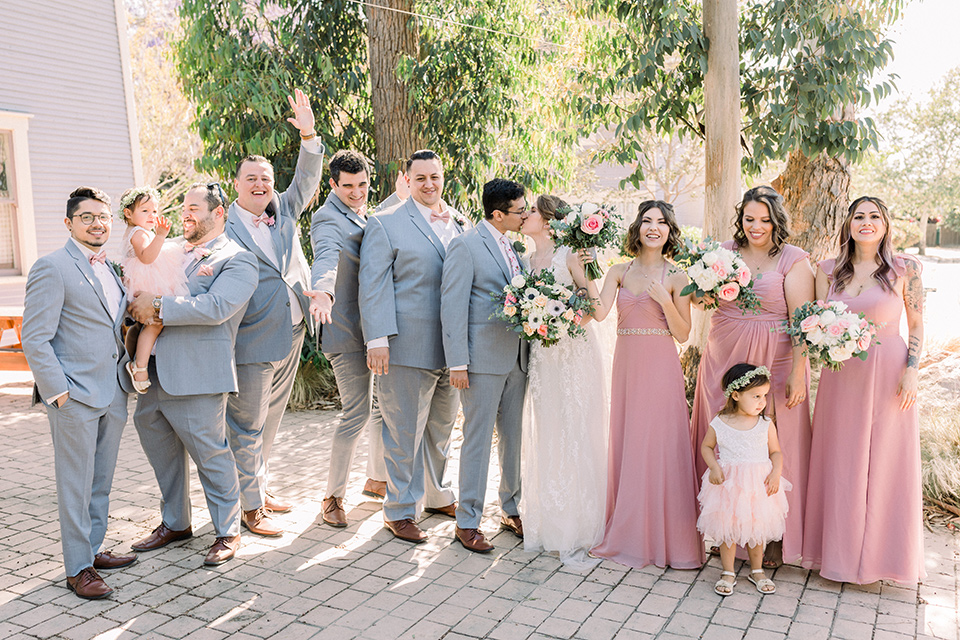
<point>314,387</point>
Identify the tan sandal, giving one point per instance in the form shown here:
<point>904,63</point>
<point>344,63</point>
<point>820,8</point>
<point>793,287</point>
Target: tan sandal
<point>140,386</point>
<point>724,588</point>
<point>764,585</point>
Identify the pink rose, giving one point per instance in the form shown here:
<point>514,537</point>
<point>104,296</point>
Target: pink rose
<point>511,299</point>
<point>720,271</point>
<point>592,224</point>
<point>542,330</point>
<point>843,323</point>
<point>809,323</point>
<point>863,342</point>
<point>743,276</point>
<point>729,291</point>
<point>835,330</point>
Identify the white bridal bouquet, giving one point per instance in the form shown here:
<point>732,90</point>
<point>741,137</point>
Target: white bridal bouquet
<point>830,334</point>
<point>538,308</point>
<point>717,272</point>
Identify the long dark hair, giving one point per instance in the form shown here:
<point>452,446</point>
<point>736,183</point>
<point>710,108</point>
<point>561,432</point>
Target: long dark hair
<point>779,217</point>
<point>632,242</point>
<point>843,269</point>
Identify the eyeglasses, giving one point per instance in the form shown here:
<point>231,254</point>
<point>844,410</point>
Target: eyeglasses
<point>216,188</point>
<point>88,218</point>
<point>519,213</point>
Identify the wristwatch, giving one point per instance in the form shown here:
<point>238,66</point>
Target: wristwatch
<point>157,305</point>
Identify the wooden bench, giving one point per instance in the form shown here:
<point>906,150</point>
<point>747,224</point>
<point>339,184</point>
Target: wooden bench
<point>11,355</point>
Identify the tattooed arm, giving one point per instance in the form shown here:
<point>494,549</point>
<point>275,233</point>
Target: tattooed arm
<point>913,303</point>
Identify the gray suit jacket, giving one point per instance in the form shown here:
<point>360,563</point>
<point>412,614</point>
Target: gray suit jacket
<point>195,350</point>
<point>266,333</point>
<point>336,232</point>
<point>474,269</point>
<point>70,338</point>
<point>401,266</point>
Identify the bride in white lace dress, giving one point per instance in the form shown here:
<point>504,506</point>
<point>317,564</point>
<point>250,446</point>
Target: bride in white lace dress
<point>564,457</point>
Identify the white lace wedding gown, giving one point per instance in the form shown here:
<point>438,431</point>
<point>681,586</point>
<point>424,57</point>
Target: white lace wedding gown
<point>564,456</point>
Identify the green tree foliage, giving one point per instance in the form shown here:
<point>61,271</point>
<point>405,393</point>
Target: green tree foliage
<point>486,97</point>
<point>806,67</point>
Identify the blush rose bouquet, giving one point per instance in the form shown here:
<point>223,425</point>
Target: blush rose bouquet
<point>717,272</point>
<point>587,226</point>
<point>829,333</point>
<point>536,307</point>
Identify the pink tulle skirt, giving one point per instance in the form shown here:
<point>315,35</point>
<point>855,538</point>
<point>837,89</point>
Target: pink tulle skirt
<point>164,276</point>
<point>739,511</point>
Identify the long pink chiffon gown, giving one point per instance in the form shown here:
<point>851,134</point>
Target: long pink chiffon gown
<point>651,484</point>
<point>864,515</point>
<point>737,336</point>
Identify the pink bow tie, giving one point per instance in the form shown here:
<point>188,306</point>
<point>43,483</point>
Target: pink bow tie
<point>98,257</point>
<point>262,218</point>
<point>445,216</point>
<point>200,252</point>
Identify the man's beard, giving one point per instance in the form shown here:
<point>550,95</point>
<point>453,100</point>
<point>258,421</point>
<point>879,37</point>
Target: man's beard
<point>200,229</point>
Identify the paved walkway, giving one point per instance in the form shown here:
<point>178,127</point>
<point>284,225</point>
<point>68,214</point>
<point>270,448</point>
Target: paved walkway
<point>319,582</point>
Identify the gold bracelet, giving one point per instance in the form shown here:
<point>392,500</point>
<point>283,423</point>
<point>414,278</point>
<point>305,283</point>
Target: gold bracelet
<point>309,137</point>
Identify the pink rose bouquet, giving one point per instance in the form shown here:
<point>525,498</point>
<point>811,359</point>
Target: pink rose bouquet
<point>717,272</point>
<point>830,334</point>
<point>536,307</point>
<point>588,226</point>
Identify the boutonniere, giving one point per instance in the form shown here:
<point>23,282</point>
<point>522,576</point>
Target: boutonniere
<point>117,268</point>
<point>459,218</point>
<point>205,270</point>
<point>519,247</point>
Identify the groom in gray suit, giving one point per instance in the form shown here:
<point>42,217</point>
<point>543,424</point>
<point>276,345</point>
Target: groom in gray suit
<point>488,361</point>
<point>71,337</point>
<point>193,366</point>
<point>271,333</point>
<point>401,264</point>
<point>337,229</point>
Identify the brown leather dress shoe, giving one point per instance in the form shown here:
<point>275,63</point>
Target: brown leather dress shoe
<point>450,510</point>
<point>161,537</point>
<point>222,550</point>
<point>405,529</point>
<point>333,513</point>
<point>88,584</point>
<point>512,523</point>
<point>473,540</point>
<point>109,560</point>
<point>257,521</point>
<point>273,503</point>
<point>375,489</point>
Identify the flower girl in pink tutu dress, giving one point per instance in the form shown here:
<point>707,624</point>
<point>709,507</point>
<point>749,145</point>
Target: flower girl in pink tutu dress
<point>742,500</point>
<point>150,265</point>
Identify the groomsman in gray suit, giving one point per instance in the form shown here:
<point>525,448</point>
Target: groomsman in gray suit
<point>488,361</point>
<point>401,264</point>
<point>193,370</point>
<point>271,333</point>
<point>72,313</point>
<point>336,230</point>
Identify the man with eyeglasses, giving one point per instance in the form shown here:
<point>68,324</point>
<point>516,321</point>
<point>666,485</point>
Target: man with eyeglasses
<point>488,362</point>
<point>72,314</point>
<point>184,413</point>
<point>401,262</point>
<point>272,330</point>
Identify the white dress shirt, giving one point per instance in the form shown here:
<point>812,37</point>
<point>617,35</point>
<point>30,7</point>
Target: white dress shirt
<point>446,231</point>
<point>263,235</point>
<point>499,238</point>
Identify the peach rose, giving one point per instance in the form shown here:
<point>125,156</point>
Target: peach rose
<point>863,342</point>
<point>592,224</point>
<point>509,310</point>
<point>542,330</point>
<point>809,323</point>
<point>729,291</point>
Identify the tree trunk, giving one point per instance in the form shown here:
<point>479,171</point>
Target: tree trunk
<point>391,35</point>
<point>924,218</point>
<point>816,193</point>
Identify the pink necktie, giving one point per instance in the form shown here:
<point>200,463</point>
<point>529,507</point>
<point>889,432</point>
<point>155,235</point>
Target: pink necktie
<point>445,216</point>
<point>99,257</point>
<point>511,257</point>
<point>262,218</point>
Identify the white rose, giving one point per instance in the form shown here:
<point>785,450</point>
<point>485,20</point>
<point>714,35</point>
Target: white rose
<point>840,353</point>
<point>709,258</point>
<point>816,337</point>
<point>588,208</point>
<point>518,281</point>
<point>827,317</point>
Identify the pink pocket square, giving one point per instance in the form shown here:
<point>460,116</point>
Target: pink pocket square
<point>205,270</point>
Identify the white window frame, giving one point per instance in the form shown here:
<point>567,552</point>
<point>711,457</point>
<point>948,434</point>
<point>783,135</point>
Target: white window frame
<point>16,124</point>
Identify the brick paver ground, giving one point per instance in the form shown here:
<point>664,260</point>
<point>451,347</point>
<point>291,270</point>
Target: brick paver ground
<point>319,582</point>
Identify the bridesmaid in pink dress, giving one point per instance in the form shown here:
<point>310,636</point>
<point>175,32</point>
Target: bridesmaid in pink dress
<point>864,502</point>
<point>651,484</point>
<point>786,282</point>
